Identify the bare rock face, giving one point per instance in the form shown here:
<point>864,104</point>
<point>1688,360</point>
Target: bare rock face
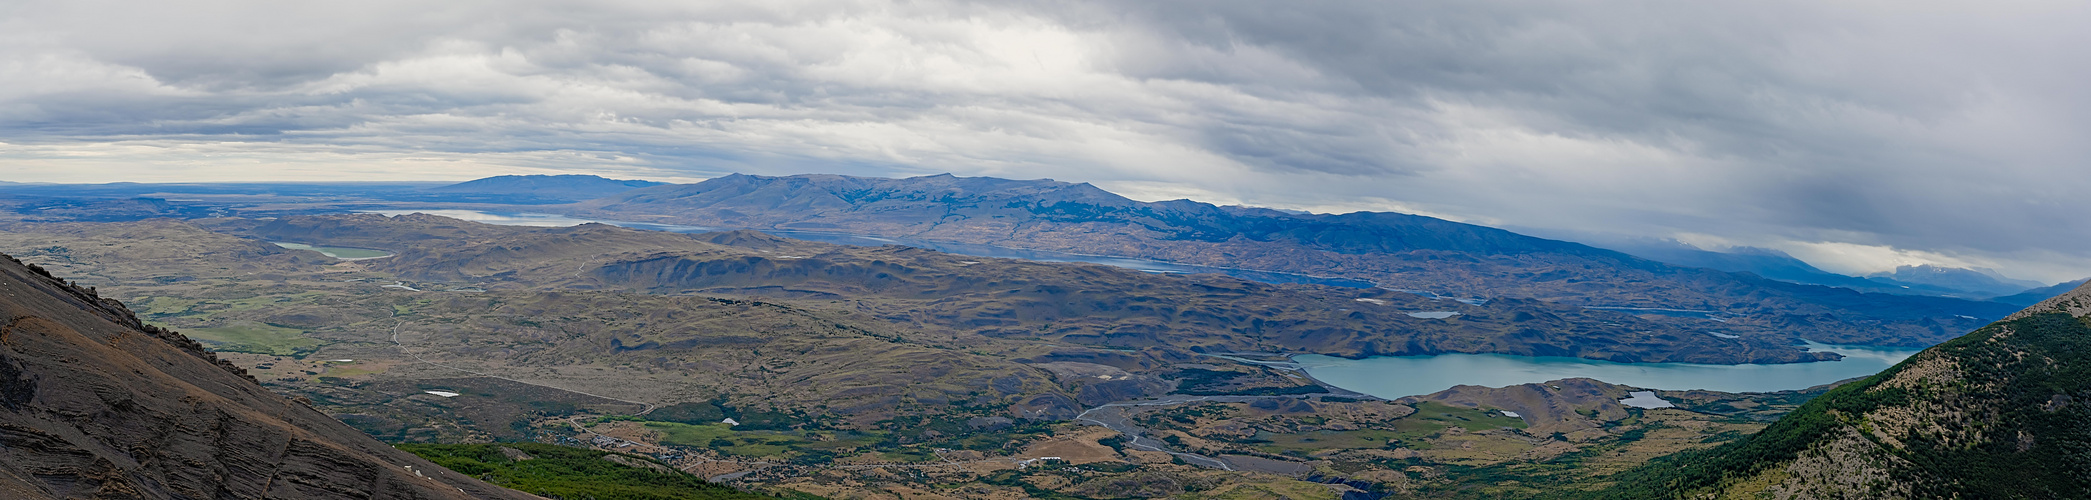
<point>94,404</point>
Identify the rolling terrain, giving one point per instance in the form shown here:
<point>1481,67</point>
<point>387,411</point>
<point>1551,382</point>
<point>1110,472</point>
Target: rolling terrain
<point>1394,250</point>
<point>847,365</point>
<point>941,295</point>
<point>850,368</point>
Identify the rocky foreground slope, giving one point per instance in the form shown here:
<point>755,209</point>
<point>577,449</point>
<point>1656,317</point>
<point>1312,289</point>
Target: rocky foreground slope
<point>95,404</point>
<point>2003,412</point>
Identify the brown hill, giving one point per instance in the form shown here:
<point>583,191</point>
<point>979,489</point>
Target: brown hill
<point>95,404</point>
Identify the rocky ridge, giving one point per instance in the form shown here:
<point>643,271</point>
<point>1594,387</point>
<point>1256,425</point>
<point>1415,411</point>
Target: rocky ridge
<point>94,403</point>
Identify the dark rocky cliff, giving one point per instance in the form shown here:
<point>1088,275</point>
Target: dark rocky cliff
<point>94,404</point>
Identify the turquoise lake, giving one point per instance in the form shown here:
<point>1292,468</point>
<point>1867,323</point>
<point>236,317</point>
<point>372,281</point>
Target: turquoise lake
<point>1398,376</point>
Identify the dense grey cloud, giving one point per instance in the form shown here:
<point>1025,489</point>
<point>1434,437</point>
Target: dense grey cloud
<point>1857,135</point>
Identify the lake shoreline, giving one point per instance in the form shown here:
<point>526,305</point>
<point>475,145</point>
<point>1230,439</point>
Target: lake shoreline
<point>1394,377</point>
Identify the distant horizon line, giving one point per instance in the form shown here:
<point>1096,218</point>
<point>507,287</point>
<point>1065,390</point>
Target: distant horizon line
<point>1520,230</point>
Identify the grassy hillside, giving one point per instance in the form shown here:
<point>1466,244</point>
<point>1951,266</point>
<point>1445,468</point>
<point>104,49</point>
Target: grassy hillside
<point>1998,413</point>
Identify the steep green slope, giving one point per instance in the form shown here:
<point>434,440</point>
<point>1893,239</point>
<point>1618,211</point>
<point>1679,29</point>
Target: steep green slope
<point>1998,413</point>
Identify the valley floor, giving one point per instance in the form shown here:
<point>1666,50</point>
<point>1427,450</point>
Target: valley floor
<point>848,398</point>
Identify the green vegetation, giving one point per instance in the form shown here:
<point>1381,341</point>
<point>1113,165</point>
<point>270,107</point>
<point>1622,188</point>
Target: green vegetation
<point>1430,420</point>
<point>1432,416</point>
<point>209,308</point>
<point>571,473</point>
<point>1564,475</point>
<point>1310,442</point>
<point>1414,431</point>
<point>1015,479</point>
<point>256,338</point>
<point>689,413</point>
<point>2034,447</point>
<point>901,439</point>
<point>790,445</point>
<point>164,306</point>
<point>952,431</point>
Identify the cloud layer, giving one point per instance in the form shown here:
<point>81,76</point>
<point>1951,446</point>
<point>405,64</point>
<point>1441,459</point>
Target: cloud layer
<point>1866,133</point>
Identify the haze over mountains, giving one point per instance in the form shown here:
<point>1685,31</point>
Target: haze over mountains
<point>1906,280</point>
<point>546,189</point>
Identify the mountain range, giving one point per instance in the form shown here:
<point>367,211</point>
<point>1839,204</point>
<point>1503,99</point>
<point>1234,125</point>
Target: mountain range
<point>1397,251</point>
<point>532,189</point>
<point>1980,282</point>
<point>1781,266</point>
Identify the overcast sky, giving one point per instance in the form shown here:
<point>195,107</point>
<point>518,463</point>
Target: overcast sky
<point>1856,135</point>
